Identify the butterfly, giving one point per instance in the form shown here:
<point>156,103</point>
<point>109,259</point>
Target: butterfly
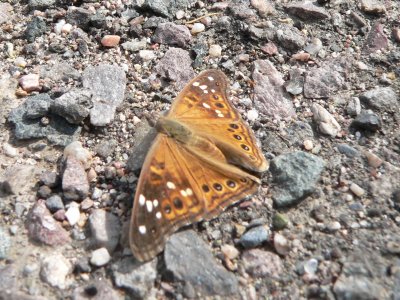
<point>200,162</point>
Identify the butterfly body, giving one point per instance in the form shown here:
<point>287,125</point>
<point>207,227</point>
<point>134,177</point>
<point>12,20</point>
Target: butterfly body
<point>195,167</point>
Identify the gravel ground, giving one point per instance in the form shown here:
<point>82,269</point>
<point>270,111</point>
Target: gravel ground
<point>81,84</point>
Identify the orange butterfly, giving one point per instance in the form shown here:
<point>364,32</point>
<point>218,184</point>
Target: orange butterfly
<point>192,171</point>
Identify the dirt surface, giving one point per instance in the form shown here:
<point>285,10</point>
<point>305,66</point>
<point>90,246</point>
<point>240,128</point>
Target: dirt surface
<point>83,82</point>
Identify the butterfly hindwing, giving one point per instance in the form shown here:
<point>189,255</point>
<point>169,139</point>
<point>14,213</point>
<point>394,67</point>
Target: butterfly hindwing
<point>177,188</point>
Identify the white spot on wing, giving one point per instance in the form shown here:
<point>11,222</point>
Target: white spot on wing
<point>149,205</point>
<point>220,115</point>
<point>206,105</point>
<point>203,87</point>
<point>210,78</point>
<point>205,92</point>
<point>212,91</point>
<point>183,193</point>
<point>142,200</point>
<point>189,192</point>
<point>142,229</point>
<point>196,83</point>
<point>171,185</point>
<point>158,215</point>
<point>217,111</point>
<point>155,203</point>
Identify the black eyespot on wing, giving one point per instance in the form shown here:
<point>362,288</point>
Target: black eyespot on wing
<point>217,186</point>
<point>234,126</point>
<point>245,147</point>
<point>178,203</point>
<point>238,137</point>
<point>205,188</point>
<point>220,105</point>
<point>231,183</point>
<point>167,209</point>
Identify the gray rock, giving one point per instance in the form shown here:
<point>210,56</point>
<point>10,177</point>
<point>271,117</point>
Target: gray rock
<point>54,203</point>
<point>106,148</point>
<point>5,12</point>
<point>314,47</point>
<point>322,82</point>
<point>41,4</point>
<point>260,263</point>
<point>327,124</point>
<point>375,7</point>
<point>376,39</point>
<point>53,127</point>
<point>142,140</point>
<point>74,105</point>
<point>381,98</point>
<point>171,34</point>
<point>44,192</point>
<point>75,184</point>
<point>354,107</point>
<point>176,65</point>
<point>107,84</point>
<point>49,178</point>
<point>136,278</point>
<point>96,290</point>
<point>197,268</point>
<point>17,295</point>
<point>43,228</point>
<point>8,275</point>
<point>295,175</point>
<point>153,22</point>
<point>105,228</point>
<point>367,120</point>
<point>60,71</point>
<point>308,11</point>
<point>348,150</point>
<point>35,28</point>
<point>55,269</point>
<point>356,282</point>
<point>19,179</point>
<point>290,37</point>
<point>269,95</point>
<point>78,16</point>
<point>166,8</point>
<point>295,85</point>
<point>5,243</point>
<point>135,45</point>
<point>254,237</point>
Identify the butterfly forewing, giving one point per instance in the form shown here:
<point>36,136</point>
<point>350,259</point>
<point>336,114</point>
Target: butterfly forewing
<point>204,107</point>
<point>177,188</point>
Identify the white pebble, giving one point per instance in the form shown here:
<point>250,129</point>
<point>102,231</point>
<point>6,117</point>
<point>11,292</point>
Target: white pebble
<point>20,62</point>
<point>58,27</point>
<point>76,150</point>
<point>281,244</point>
<point>215,51</point>
<point>66,28</point>
<point>334,226</point>
<point>9,150</point>
<point>198,27</point>
<point>100,257</point>
<point>357,190</point>
<point>73,214</point>
<point>311,266</point>
<point>252,115</point>
<point>147,54</point>
<point>179,14</point>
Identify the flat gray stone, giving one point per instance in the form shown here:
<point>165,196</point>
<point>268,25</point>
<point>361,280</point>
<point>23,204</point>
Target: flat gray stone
<point>105,228</point>
<point>381,98</point>
<point>189,259</point>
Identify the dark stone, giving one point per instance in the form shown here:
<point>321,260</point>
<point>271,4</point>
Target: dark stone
<point>348,150</point>
<point>367,120</point>
<point>172,34</point>
<point>106,148</point>
<point>295,175</point>
<point>254,237</point>
<point>44,192</point>
<point>54,203</point>
<point>290,38</point>
<point>96,290</point>
<point>79,16</point>
<point>307,11</point>
<point>165,8</point>
<point>51,179</point>
<point>35,28</point>
<point>197,269</point>
<point>381,98</point>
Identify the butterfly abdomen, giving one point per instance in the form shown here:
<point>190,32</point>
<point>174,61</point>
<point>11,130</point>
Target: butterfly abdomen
<point>174,129</point>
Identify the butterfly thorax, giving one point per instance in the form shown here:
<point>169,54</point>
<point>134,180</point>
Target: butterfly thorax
<point>174,129</point>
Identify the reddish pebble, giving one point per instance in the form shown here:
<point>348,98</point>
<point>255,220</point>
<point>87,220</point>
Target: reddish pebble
<point>30,82</point>
<point>301,56</point>
<point>269,48</point>
<point>396,34</point>
<point>373,160</point>
<point>110,40</point>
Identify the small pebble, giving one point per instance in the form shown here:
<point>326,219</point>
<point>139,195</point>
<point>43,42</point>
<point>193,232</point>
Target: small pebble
<point>30,82</point>
<point>311,266</point>
<point>252,115</point>
<point>281,244</point>
<point>100,257</point>
<point>9,150</point>
<point>73,214</point>
<point>308,145</point>
<point>147,55</point>
<point>86,204</point>
<point>197,28</point>
<point>373,160</point>
<point>333,226</point>
<point>280,221</point>
<point>110,40</point>
<point>301,56</point>
<point>357,190</point>
<point>179,14</point>
<point>20,62</point>
<point>215,51</point>
<point>229,251</point>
